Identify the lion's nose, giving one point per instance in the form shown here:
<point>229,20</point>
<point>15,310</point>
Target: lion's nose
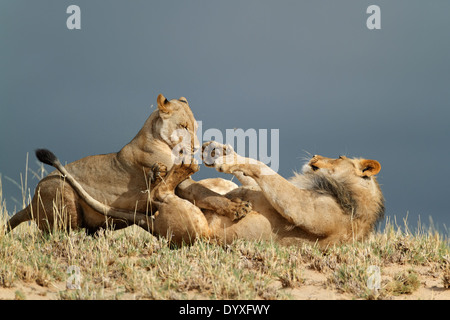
<point>314,159</point>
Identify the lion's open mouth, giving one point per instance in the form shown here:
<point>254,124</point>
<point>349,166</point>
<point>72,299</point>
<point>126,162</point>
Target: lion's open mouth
<point>315,168</point>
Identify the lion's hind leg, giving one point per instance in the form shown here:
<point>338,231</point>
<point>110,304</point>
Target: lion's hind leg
<point>18,218</point>
<point>53,207</point>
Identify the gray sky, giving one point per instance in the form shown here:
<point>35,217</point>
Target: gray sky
<point>311,69</point>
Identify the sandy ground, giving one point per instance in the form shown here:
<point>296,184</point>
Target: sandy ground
<point>315,287</point>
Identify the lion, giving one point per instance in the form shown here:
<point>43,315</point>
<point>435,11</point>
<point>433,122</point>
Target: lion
<point>331,201</point>
<point>120,189</point>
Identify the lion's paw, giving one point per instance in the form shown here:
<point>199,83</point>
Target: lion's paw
<point>186,168</point>
<point>239,208</point>
<point>157,172</point>
<point>217,155</point>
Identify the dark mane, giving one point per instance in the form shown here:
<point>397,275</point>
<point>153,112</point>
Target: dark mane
<point>341,191</point>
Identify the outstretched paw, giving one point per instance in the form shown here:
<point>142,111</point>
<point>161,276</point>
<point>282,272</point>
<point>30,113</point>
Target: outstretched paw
<point>217,155</point>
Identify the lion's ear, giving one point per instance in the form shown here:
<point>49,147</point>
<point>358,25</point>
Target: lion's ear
<point>183,99</point>
<point>163,104</point>
<point>369,167</point>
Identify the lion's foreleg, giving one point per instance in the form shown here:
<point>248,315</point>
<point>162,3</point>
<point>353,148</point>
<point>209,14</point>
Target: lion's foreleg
<point>244,180</point>
<point>224,159</point>
<point>300,207</point>
<point>204,198</point>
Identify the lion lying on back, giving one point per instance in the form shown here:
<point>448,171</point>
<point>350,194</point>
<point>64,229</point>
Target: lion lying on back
<point>332,201</point>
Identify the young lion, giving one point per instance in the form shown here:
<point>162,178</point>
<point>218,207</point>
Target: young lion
<point>113,189</point>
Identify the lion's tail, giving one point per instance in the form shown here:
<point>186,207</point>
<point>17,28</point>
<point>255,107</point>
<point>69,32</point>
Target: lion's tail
<point>47,157</point>
<point>141,219</point>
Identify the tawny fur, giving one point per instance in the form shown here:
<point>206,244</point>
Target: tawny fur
<point>118,189</point>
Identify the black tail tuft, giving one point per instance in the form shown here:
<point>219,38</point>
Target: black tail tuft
<point>46,156</point>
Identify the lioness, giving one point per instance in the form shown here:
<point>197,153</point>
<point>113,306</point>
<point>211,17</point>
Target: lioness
<point>116,189</point>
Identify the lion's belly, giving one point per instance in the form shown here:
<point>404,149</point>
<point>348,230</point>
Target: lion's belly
<point>93,220</point>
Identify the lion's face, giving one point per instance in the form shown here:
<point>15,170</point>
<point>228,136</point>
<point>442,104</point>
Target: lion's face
<point>178,127</point>
<point>342,167</point>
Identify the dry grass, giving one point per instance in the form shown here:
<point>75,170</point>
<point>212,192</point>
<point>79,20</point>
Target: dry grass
<point>132,264</point>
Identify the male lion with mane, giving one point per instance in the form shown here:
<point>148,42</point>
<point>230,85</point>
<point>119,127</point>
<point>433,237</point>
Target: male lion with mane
<point>332,201</point>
